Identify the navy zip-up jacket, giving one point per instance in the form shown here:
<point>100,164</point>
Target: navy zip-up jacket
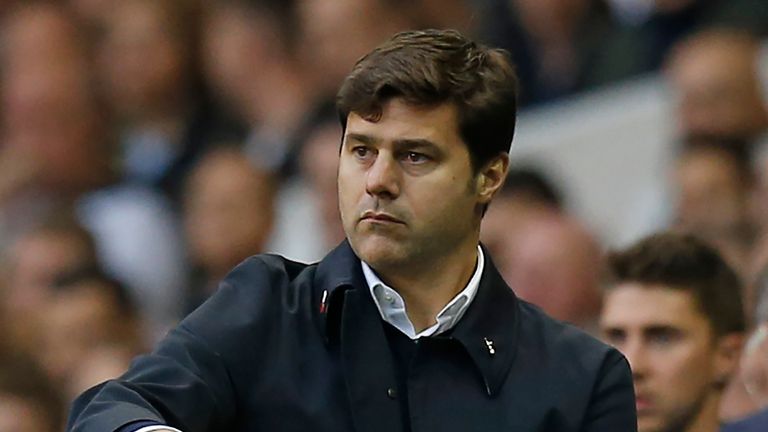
<point>290,347</point>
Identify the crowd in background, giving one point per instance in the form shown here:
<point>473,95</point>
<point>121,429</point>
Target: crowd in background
<point>149,146</point>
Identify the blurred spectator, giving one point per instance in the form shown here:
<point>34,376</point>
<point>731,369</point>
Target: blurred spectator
<point>319,165</point>
<point>715,186</point>
<point>553,42</point>
<point>336,33</point>
<point>565,46</point>
<point>87,310</point>
<point>229,213</point>
<point>645,31</point>
<point>29,402</point>
<point>252,61</point>
<point>673,307</point>
<point>54,119</point>
<point>39,36</point>
<point>308,224</point>
<point>546,257</point>
<point>715,74</point>
<point>149,65</point>
<point>32,263</point>
<point>556,264</point>
<point>527,195</point>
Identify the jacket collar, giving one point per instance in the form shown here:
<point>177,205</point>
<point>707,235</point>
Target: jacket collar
<point>339,271</point>
<point>488,330</point>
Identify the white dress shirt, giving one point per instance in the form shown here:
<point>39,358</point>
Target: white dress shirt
<point>392,307</point>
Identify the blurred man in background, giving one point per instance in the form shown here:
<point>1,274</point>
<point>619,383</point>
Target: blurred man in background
<point>31,264</point>
<point>715,188</point>
<point>715,76</point>
<point>87,311</point>
<point>673,307</point>
<point>228,216</point>
<point>545,254</point>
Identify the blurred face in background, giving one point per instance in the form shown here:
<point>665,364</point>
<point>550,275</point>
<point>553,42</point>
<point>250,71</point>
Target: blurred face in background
<point>713,195</point>
<point>34,262</point>
<point>676,359</point>
<point>336,33</point>
<point>22,415</point>
<point>49,114</point>
<point>78,321</point>
<point>715,77</point>
<point>229,211</point>
<point>549,260</point>
<point>236,43</point>
<point>320,164</point>
<point>716,202</point>
<point>144,58</point>
<point>39,37</point>
<point>51,118</point>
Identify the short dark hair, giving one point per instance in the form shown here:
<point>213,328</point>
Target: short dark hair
<point>682,261</point>
<point>532,184</point>
<point>431,67</point>
<point>117,291</point>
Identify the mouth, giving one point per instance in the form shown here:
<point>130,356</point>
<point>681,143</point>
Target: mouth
<point>644,404</point>
<point>379,217</point>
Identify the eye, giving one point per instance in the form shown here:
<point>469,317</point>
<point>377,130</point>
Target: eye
<point>663,337</point>
<point>416,158</point>
<point>614,336</point>
<point>361,152</point>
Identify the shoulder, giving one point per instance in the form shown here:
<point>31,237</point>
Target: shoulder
<point>563,345</point>
<point>593,381</point>
<point>260,274</point>
<point>259,292</point>
<point>754,423</point>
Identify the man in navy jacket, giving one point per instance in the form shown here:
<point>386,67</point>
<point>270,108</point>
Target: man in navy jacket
<point>407,325</point>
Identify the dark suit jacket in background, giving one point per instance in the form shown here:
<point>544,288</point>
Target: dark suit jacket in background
<point>266,354</point>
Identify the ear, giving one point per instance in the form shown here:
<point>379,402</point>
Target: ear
<point>491,177</point>
<point>728,353</point>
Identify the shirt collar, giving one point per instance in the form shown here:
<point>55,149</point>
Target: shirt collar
<point>392,307</point>
<point>489,330</point>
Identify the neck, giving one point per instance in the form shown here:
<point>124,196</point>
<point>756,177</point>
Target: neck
<point>427,287</point>
<point>708,419</point>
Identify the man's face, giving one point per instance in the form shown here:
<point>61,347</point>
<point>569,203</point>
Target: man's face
<point>717,89</point>
<point>407,192</point>
<point>713,198</point>
<point>672,351</point>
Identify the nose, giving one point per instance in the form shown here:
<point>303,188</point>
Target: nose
<point>638,361</point>
<point>383,177</point>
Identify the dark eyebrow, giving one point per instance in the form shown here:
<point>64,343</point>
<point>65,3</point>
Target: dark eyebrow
<point>613,331</point>
<point>411,143</point>
<point>365,139</point>
<point>660,329</point>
